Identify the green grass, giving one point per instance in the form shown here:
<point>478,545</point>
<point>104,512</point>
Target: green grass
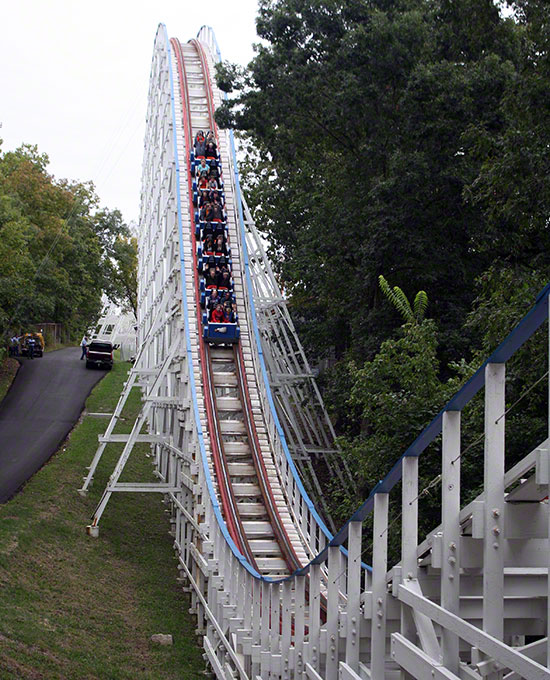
<point>76,607</point>
<point>8,371</point>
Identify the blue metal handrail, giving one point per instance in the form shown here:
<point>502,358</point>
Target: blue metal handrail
<point>518,336</point>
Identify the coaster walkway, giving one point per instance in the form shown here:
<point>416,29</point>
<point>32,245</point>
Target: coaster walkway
<point>234,428</point>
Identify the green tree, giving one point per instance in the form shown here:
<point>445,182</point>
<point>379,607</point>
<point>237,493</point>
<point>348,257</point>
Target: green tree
<point>357,111</point>
<point>121,273</point>
<point>54,243</point>
<point>511,187</point>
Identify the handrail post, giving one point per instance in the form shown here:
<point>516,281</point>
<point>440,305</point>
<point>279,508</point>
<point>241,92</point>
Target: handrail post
<point>409,540</point>
<point>334,572</point>
<point>256,625</point>
<point>353,636</point>
<point>265,658</point>
<point>379,593</point>
<point>314,655</point>
<point>299,626</point>
<point>450,511</point>
<point>286,628</point>
<point>493,541</point>
<point>275,628</point>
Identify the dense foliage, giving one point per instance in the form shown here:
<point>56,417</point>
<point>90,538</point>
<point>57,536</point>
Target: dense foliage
<point>58,250</point>
<point>409,139</point>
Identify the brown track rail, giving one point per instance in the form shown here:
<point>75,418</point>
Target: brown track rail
<point>228,501</point>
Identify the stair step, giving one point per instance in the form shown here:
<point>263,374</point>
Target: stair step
<point>246,490</point>
<point>229,404</point>
<point>272,566</point>
<point>241,470</point>
<point>263,547</point>
<point>232,427</point>
<point>256,510</point>
<point>221,353</point>
<point>257,528</point>
<point>225,379</point>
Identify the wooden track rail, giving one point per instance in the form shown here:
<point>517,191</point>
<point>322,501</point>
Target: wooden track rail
<point>469,601</point>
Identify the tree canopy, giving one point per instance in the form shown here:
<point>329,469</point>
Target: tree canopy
<point>406,139</point>
<point>378,128</point>
<point>58,250</point>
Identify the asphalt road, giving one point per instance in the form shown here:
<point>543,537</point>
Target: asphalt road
<point>40,409</point>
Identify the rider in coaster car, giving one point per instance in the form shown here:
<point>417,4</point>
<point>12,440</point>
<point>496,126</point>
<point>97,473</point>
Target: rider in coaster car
<point>212,302</point>
<point>219,246</point>
<point>203,168</point>
<point>219,315</point>
<point>214,169</point>
<point>223,266</point>
<point>200,144</point>
<point>217,213</point>
<point>224,280</point>
<point>204,198</point>
<point>207,212</point>
<point>211,278</point>
<point>232,314</point>
<point>208,244</point>
<point>211,150</point>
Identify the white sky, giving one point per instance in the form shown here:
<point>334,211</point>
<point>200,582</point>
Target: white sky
<point>74,77</point>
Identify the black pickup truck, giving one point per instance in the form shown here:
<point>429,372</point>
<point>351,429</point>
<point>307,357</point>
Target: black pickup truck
<point>99,353</point>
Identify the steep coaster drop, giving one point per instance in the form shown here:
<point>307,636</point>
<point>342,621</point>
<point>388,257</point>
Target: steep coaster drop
<point>276,595</point>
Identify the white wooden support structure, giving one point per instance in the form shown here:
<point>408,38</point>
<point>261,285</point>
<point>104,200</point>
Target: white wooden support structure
<point>457,603</point>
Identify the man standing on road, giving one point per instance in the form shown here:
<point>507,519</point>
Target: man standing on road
<point>14,346</point>
<point>30,347</point>
<point>84,345</point>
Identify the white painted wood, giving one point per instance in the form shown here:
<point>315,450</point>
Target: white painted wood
<point>244,637</point>
<point>493,552</point>
<point>475,636</point>
<point>450,511</point>
<point>409,540</point>
<point>416,662</point>
<point>379,593</point>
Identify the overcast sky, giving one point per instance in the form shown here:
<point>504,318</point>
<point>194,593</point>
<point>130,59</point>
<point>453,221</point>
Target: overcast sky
<point>74,78</point>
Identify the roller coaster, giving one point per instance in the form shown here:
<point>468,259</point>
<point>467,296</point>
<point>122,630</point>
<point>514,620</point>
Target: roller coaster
<point>238,432</point>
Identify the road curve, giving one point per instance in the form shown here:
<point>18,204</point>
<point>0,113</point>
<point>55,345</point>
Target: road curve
<point>41,407</point>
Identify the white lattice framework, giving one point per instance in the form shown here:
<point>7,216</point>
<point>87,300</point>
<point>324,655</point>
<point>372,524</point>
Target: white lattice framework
<point>459,604</point>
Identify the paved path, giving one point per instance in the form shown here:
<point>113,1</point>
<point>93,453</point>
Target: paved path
<point>41,407</point>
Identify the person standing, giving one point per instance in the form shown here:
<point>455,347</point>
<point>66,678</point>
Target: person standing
<point>30,347</point>
<point>84,345</point>
<point>14,346</point>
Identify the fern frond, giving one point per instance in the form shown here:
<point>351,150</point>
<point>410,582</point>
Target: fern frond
<point>398,299</point>
<point>403,305</point>
<point>385,286</point>
<point>420,305</point>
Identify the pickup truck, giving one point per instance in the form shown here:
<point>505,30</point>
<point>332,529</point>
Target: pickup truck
<point>99,353</point>
<point>37,341</point>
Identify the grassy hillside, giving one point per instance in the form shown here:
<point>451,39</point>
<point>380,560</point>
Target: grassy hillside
<point>76,607</point>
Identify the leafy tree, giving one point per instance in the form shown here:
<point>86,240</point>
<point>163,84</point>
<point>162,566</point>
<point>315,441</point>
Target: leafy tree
<point>407,137</point>
<point>121,273</point>
<point>511,186</point>
<point>357,111</point>
<point>54,244</point>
